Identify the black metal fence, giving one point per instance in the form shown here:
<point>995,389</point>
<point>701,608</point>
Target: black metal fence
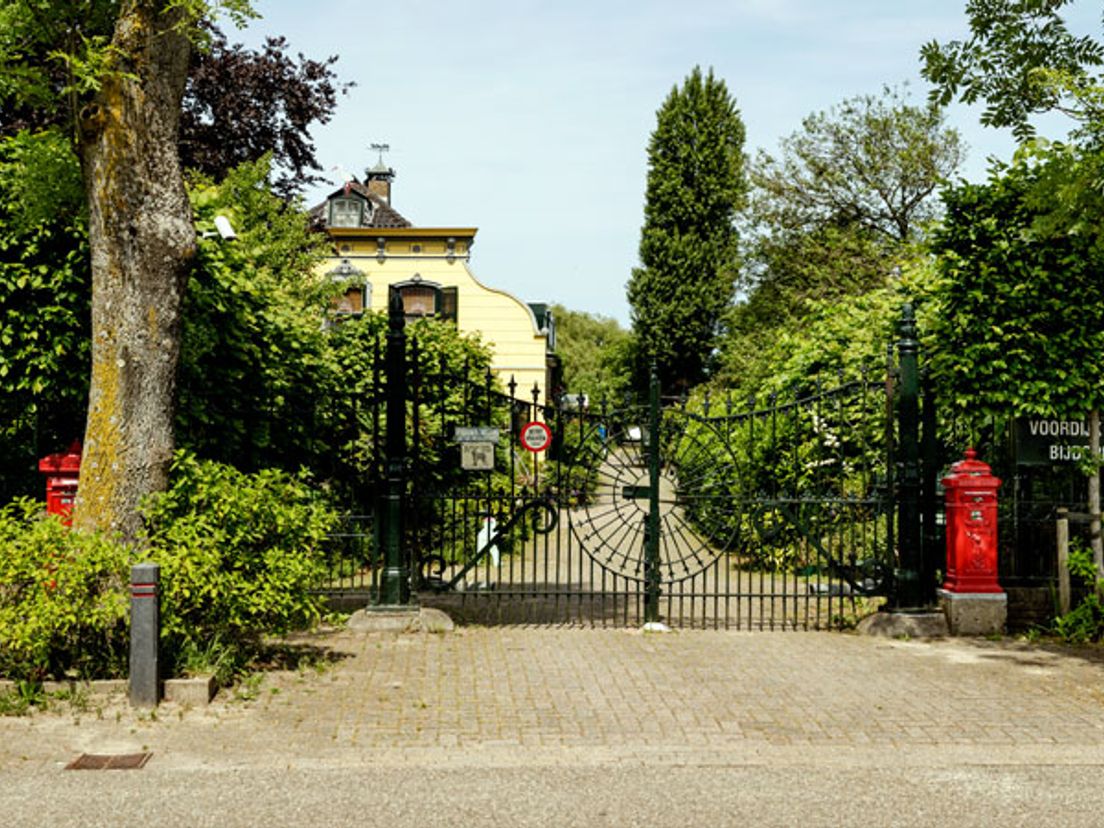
<point>797,510</point>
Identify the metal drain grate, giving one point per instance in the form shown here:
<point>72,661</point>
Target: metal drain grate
<point>109,761</point>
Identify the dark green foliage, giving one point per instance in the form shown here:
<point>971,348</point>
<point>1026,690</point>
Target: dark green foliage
<point>44,317</point>
<point>254,354</point>
<point>51,53</point>
<point>1018,60</point>
<point>1020,330</point>
<point>688,241</point>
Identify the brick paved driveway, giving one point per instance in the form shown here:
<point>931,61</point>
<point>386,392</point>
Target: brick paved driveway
<point>511,698</point>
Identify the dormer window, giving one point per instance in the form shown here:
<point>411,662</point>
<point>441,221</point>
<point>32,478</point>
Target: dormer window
<point>346,211</point>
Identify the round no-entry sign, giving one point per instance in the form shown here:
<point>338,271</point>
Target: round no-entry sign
<point>535,436</point>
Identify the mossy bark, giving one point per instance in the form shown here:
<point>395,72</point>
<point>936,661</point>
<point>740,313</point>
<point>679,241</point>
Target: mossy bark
<point>143,242</point>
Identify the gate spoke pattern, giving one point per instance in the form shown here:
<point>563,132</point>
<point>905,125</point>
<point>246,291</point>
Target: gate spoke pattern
<point>695,519</point>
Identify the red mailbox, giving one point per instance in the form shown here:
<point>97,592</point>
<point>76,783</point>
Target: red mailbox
<point>971,500</point>
<point>61,472</point>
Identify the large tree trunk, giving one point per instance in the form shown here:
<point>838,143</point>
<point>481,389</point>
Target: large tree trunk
<point>142,241</point>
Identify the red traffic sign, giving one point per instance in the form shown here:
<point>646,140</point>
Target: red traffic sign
<point>535,436</point>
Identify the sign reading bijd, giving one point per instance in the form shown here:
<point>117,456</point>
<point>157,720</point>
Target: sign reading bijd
<point>1041,442</point>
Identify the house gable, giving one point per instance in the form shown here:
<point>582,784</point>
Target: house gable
<point>377,251</point>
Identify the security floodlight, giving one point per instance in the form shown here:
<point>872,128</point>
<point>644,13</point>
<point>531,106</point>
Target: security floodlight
<point>222,224</point>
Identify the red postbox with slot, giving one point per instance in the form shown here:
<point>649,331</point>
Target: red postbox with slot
<point>62,471</point>
<point>971,501</point>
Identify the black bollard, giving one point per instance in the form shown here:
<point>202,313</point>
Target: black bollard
<point>145,627</point>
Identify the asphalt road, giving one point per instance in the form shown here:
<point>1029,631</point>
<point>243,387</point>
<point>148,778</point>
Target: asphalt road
<point>810,794</point>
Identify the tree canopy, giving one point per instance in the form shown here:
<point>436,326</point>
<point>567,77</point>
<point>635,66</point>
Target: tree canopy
<point>596,353</point>
<point>241,104</point>
<point>44,303</point>
<point>1020,329</point>
<point>833,216</point>
<point>688,244</point>
<point>113,75</point>
<point>111,78</point>
<point>1020,59</point>
<point>870,162</point>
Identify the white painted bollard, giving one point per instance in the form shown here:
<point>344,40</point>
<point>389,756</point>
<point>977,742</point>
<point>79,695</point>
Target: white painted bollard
<point>484,537</point>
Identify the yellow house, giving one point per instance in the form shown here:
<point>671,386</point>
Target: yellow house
<point>375,246</point>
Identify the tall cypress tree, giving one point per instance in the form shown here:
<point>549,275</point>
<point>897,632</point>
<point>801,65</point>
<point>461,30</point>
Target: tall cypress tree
<point>688,242</point>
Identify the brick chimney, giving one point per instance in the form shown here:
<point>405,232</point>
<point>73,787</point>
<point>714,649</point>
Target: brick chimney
<point>378,180</point>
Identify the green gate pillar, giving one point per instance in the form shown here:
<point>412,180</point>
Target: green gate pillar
<point>931,541</point>
<point>394,585</point>
<point>908,591</point>
<point>651,535</point>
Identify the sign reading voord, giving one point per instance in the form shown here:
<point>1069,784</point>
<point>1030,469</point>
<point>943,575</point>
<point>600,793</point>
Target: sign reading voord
<point>1045,442</point>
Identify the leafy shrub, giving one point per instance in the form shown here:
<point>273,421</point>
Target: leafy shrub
<point>63,599</point>
<point>1085,622</point>
<point>239,554</point>
<point>1082,624</point>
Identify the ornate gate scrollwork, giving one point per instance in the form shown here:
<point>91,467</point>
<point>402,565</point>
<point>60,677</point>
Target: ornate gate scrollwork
<point>433,566</point>
<point>693,500</point>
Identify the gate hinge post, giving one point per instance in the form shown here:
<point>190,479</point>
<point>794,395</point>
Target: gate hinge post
<point>651,535</point>
<point>908,592</point>
<point>394,585</point>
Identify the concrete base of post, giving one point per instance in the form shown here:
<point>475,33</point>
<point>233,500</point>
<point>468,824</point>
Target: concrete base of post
<point>974,613</point>
<point>191,692</point>
<point>905,624</point>
<point>400,619</point>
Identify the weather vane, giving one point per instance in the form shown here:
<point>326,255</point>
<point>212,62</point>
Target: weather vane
<point>381,149</point>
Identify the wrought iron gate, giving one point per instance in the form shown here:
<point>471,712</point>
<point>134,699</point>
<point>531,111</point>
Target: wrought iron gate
<point>787,511</point>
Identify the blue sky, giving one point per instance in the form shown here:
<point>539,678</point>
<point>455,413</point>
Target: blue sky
<point>530,120</point>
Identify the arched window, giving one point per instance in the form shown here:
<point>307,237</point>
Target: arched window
<point>357,296</point>
<point>421,299</point>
